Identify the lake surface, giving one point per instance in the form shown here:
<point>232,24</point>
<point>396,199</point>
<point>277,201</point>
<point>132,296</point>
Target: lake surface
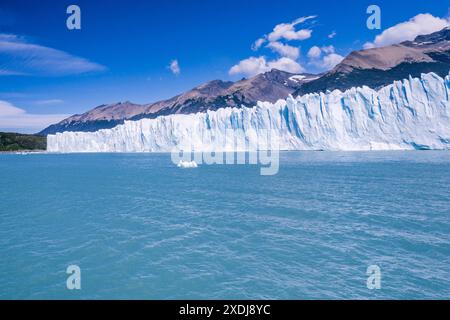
<point>139,227</point>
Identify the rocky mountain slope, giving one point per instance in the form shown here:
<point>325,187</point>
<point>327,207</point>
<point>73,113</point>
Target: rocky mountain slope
<point>102,117</point>
<point>270,86</point>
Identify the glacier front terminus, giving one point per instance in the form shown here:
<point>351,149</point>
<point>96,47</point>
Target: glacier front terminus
<point>408,114</point>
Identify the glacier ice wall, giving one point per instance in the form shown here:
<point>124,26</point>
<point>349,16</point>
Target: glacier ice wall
<point>408,114</point>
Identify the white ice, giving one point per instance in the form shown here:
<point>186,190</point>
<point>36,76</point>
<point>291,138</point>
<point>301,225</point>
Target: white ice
<point>408,114</point>
<point>187,164</point>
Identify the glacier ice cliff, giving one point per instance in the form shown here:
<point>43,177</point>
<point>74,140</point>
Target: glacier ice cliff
<point>408,114</point>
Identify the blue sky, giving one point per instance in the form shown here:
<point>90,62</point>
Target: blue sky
<point>125,48</point>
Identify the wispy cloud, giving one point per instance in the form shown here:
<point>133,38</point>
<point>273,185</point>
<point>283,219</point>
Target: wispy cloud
<point>19,56</point>
<point>13,118</point>
<point>6,72</point>
<point>48,102</point>
<point>258,43</point>
<point>175,67</point>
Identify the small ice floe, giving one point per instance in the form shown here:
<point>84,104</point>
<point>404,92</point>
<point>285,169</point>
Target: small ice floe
<point>187,164</point>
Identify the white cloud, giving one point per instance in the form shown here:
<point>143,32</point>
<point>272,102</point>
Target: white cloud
<point>331,60</point>
<point>286,64</point>
<point>8,110</point>
<point>423,23</point>
<point>332,35</point>
<point>250,66</point>
<point>288,54</point>
<point>328,49</point>
<point>368,45</point>
<point>285,31</point>
<point>285,50</point>
<point>174,67</point>
<point>258,43</point>
<point>255,65</point>
<point>17,119</point>
<point>324,58</point>
<point>314,52</point>
<point>20,57</point>
<point>277,41</point>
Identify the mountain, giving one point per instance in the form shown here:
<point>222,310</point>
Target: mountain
<point>213,95</point>
<point>102,117</point>
<point>380,66</point>
<point>270,86</point>
<point>408,114</point>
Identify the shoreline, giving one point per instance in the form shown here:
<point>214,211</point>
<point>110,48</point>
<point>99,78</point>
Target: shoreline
<point>22,151</point>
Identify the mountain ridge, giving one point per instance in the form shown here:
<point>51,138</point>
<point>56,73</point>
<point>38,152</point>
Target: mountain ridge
<point>212,95</point>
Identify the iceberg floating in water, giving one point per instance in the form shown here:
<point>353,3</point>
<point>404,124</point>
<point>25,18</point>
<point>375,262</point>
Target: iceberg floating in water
<point>187,164</point>
<point>408,114</point>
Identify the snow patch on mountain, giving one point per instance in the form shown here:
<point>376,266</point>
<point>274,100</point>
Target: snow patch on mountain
<point>297,77</point>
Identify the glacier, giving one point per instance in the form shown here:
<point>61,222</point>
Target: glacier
<point>410,114</point>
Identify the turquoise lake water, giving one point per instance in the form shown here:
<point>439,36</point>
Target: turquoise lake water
<point>139,227</point>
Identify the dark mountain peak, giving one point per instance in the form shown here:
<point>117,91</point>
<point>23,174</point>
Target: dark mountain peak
<point>125,103</point>
<point>433,38</point>
<point>213,87</point>
<point>280,77</point>
<point>277,72</point>
<point>274,75</point>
